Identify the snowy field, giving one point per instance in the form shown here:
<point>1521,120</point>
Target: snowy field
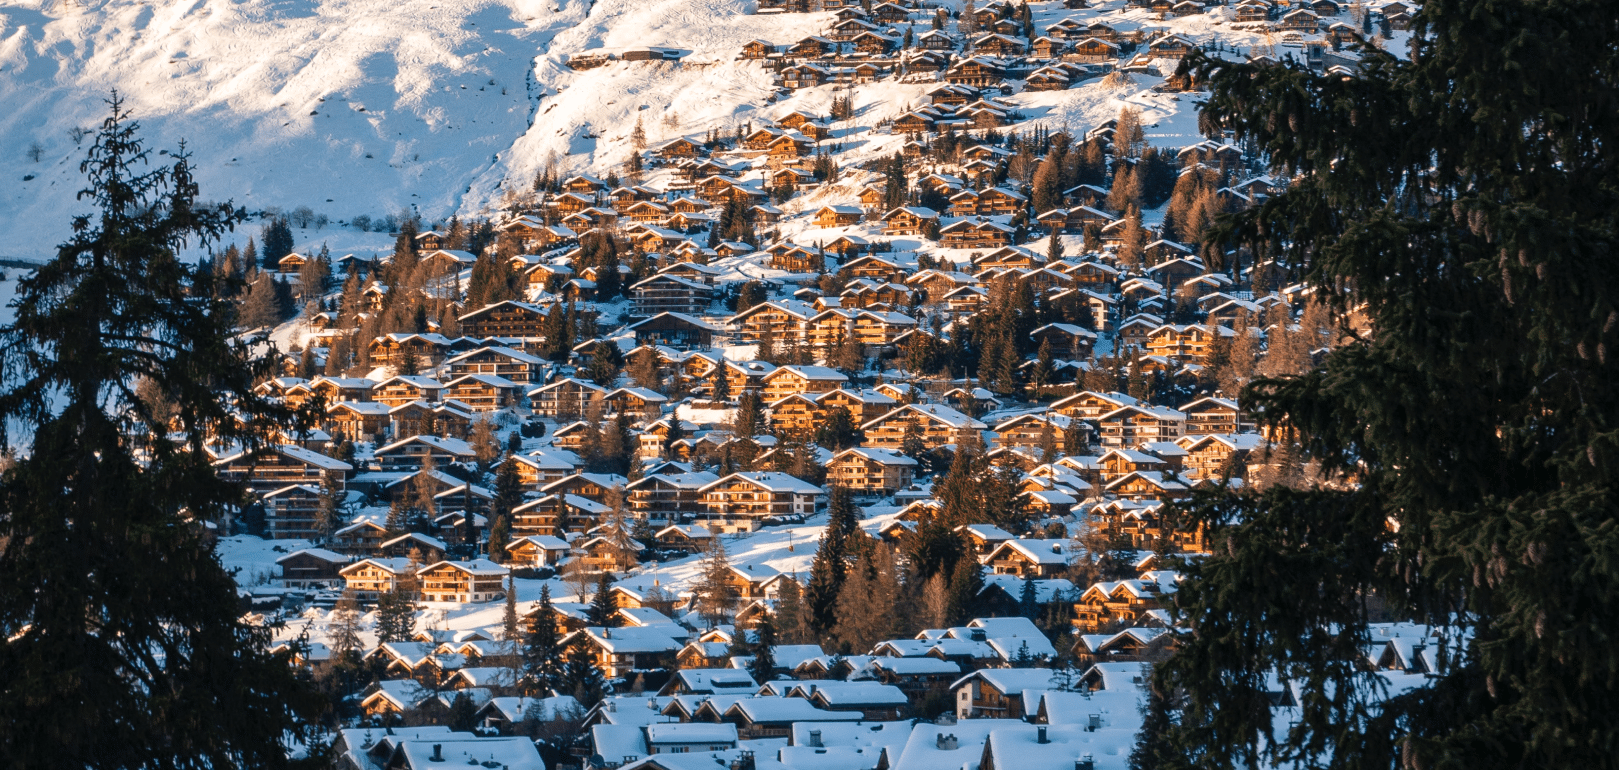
<point>8,293</point>
<point>788,549</point>
<point>354,107</point>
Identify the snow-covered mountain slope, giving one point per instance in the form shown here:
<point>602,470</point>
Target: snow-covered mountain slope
<point>347,106</point>
<point>357,107</point>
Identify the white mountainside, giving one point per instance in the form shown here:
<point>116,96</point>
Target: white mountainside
<point>364,107</point>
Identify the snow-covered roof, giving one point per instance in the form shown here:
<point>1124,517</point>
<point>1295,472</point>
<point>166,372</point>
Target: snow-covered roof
<point>482,567</point>
<point>691,732</point>
<point>396,565</point>
<point>514,709</point>
<point>818,373</point>
<point>620,742</point>
<point>877,455</point>
<point>542,542</point>
<point>783,710</point>
<point>916,666</point>
<point>698,680</point>
<point>771,481</point>
<point>620,641</point>
<point>318,553</point>
<point>295,452</point>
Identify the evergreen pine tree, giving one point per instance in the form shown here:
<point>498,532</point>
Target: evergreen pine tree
<point>603,609</point>
<point>791,621</point>
<point>750,416</point>
<point>500,538</point>
<point>542,647</point>
<point>958,491</point>
<point>1458,198</point>
<point>830,566</point>
<point>1023,658</point>
<point>837,430</point>
<point>609,282</point>
<point>716,590</point>
<point>1045,368</point>
<point>581,677</point>
<point>405,251</point>
<point>763,665</point>
<point>1028,604</point>
<point>895,187</point>
<point>508,495</point>
<point>510,631</point>
<point>260,307</point>
<point>329,513</point>
<point>396,613</point>
<point>966,583</point>
<point>463,714</point>
<point>277,242</point>
<point>719,384</point>
<point>1047,184</point>
<point>124,643</point>
<point>343,630</point>
<point>676,433</point>
<point>1155,748</point>
<point>250,259</point>
<point>866,608</point>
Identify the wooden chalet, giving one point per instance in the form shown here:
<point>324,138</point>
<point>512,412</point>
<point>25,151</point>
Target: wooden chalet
<point>505,319</point>
<point>935,425</point>
<point>871,470</point>
<point>566,398</point>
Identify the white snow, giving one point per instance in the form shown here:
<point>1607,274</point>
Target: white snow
<point>356,107</point>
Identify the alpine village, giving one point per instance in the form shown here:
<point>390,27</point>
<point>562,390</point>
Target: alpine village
<point>816,441</point>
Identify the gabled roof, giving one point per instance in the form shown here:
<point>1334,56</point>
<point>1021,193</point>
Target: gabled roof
<point>537,309</point>
<point>876,455</point>
<point>317,553</point>
<point>549,458</point>
<point>817,373</point>
<point>603,480</point>
<point>542,542</point>
<point>1153,478</point>
<point>1237,441</point>
<point>1159,412</point>
<point>505,352</point>
<point>649,396</point>
<point>397,565</point>
<point>481,567</point>
<point>294,452</point>
<point>785,711</point>
<point>1012,681</point>
<point>936,413</point>
<point>417,537</point>
<point>792,307</point>
<point>626,640</point>
<point>770,481</point>
<point>1043,551</point>
<point>565,381</point>
<point>492,380</point>
<point>452,446</point>
<point>413,380</point>
<point>1111,397</point>
<point>988,532</point>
